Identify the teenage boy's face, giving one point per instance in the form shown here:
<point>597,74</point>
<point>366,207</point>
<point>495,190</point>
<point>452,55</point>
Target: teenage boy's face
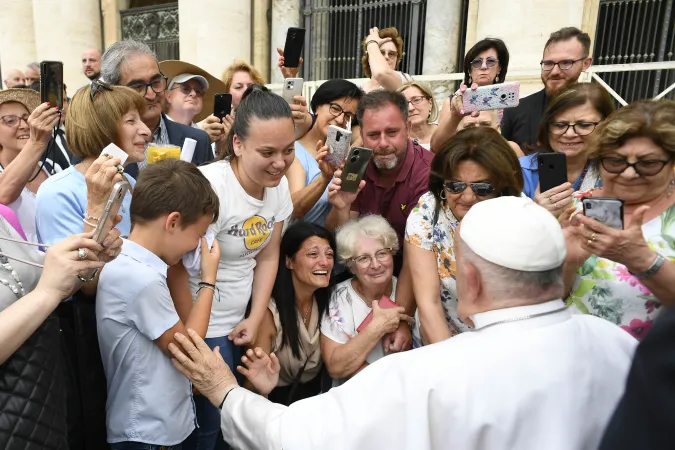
<point>185,240</point>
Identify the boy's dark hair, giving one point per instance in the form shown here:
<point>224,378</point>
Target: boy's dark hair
<point>173,186</point>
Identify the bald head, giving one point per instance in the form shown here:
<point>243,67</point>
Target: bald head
<point>91,63</point>
<point>14,77</point>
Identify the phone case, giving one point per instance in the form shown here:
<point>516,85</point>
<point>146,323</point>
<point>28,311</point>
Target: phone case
<point>222,105</point>
<point>552,170</point>
<point>385,303</point>
<point>112,207</point>
<point>51,83</point>
<point>295,39</point>
<point>338,142</point>
<point>494,96</point>
<point>292,87</point>
<point>356,165</point>
<point>608,211</point>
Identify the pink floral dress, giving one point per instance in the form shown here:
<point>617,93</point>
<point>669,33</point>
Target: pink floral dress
<point>606,289</point>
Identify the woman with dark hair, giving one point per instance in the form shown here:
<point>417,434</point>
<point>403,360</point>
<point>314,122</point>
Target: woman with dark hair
<point>284,363</point>
<point>254,197</point>
<point>476,165</point>
<point>380,63</point>
<point>567,127</point>
<point>486,63</point>
<point>333,103</point>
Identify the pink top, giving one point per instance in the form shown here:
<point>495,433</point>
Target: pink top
<point>10,216</point>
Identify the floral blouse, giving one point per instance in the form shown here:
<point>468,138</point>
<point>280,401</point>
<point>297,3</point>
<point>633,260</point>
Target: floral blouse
<point>606,289</point>
<point>439,238</point>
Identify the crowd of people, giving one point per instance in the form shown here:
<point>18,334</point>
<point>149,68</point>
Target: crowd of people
<point>239,297</point>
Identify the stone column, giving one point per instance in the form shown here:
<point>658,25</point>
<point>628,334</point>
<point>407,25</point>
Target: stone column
<point>17,37</point>
<point>63,29</point>
<point>214,33</point>
<point>260,49</point>
<point>285,14</point>
<point>112,23</point>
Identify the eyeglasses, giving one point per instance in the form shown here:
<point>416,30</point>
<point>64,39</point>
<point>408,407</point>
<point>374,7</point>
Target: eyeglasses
<point>416,100</point>
<point>381,256</point>
<point>565,64</point>
<point>644,168</point>
<point>13,121</point>
<point>480,189</point>
<point>580,128</point>
<point>97,85</point>
<point>187,90</point>
<point>391,55</point>
<point>490,62</point>
<point>336,110</point>
<point>158,86</point>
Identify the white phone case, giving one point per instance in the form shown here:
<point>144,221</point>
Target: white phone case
<point>292,87</point>
<point>494,96</point>
<point>338,142</point>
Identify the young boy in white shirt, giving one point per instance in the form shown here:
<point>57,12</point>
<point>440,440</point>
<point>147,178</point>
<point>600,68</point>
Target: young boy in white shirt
<point>149,402</point>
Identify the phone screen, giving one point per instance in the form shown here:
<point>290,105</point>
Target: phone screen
<point>51,83</point>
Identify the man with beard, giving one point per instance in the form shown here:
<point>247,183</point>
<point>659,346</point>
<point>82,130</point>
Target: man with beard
<point>566,55</point>
<point>133,64</point>
<point>91,63</point>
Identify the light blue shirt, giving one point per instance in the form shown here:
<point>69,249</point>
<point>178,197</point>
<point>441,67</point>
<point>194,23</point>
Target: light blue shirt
<point>61,204</point>
<point>316,215</point>
<point>149,401</point>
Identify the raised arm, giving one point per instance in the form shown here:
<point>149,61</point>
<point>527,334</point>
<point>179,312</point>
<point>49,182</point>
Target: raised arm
<point>379,69</point>
<point>305,197</point>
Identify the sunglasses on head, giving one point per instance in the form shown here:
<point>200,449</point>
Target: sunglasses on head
<point>480,189</point>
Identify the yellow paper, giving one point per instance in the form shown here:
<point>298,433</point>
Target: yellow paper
<point>158,153</point>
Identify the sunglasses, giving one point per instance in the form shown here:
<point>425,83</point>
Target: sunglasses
<point>643,167</point>
<point>187,90</point>
<point>480,189</point>
<point>490,62</point>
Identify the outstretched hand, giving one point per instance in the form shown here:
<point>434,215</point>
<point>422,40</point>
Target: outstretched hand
<point>260,369</point>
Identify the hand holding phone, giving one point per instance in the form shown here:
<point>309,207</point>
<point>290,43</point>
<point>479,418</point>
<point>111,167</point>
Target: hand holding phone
<point>552,170</point>
<point>295,39</point>
<point>493,96</point>
<point>338,142</point>
<point>292,87</point>
<point>222,105</point>
<point>608,211</point>
<point>355,168</point>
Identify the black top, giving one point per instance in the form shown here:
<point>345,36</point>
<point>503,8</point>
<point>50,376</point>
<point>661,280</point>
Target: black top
<point>520,124</point>
<point>645,416</point>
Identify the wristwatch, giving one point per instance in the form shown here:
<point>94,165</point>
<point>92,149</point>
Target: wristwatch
<point>653,269</point>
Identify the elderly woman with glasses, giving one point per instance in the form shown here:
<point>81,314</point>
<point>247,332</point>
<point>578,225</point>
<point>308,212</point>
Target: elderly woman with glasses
<point>366,245</point>
<point>422,112</point>
<point>626,275</point>
<point>567,127</point>
<point>476,165</point>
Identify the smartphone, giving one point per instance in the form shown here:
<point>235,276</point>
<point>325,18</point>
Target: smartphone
<point>355,168</point>
<point>605,210</point>
<point>292,87</point>
<point>385,303</point>
<point>338,142</point>
<point>295,39</point>
<point>51,83</point>
<point>552,170</point>
<point>493,96</point>
<point>112,207</point>
<point>222,105</point>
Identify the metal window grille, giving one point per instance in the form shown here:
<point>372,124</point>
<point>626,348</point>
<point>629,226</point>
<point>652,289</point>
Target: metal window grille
<point>636,31</point>
<point>335,29</point>
<point>157,26</point>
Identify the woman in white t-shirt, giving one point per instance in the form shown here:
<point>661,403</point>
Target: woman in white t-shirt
<point>366,245</point>
<point>255,200</point>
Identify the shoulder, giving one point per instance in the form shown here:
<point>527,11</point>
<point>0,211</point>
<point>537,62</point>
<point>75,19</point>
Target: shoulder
<point>216,172</point>
<point>62,182</point>
<point>609,332</point>
<point>422,163</point>
<point>529,162</point>
<point>301,153</point>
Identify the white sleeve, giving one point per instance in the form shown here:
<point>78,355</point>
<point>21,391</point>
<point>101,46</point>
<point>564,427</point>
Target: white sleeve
<point>251,421</point>
<point>285,201</point>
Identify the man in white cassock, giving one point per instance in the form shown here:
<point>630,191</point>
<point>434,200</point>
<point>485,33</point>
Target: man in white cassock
<point>531,375</point>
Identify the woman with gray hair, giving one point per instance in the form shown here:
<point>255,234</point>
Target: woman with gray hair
<point>366,246</point>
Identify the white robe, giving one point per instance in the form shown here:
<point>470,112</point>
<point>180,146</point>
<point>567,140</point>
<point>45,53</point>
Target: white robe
<point>549,382</point>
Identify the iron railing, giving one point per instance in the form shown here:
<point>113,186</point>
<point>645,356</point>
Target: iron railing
<point>157,26</point>
<point>636,32</point>
<point>335,29</point>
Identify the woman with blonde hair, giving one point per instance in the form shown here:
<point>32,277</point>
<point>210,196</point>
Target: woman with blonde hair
<point>382,54</point>
<point>238,77</point>
<point>422,111</point>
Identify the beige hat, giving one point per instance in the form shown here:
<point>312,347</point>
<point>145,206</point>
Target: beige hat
<point>174,68</point>
<point>26,96</point>
<point>514,232</point>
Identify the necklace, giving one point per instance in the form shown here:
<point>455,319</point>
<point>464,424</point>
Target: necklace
<point>517,319</point>
<point>306,313</point>
<point>18,289</point>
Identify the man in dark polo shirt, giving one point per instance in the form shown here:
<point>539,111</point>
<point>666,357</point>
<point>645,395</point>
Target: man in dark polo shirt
<point>566,55</point>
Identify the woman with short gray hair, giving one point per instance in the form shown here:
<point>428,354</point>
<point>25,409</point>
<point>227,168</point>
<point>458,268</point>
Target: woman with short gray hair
<point>366,246</point>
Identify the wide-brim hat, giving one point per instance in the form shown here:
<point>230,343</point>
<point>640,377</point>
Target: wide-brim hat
<point>172,68</point>
<point>25,96</point>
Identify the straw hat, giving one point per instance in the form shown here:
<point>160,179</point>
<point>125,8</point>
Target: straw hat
<point>172,68</point>
<point>27,97</point>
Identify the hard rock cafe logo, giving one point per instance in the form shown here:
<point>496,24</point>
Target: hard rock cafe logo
<point>255,231</point>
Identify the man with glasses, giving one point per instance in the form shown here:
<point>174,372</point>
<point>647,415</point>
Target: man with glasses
<point>566,55</point>
<point>134,64</point>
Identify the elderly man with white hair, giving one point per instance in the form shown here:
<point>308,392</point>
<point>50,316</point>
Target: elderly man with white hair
<point>530,376</point>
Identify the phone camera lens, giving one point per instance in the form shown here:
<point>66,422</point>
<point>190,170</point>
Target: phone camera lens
<point>356,152</point>
<point>503,95</point>
<point>354,158</point>
<point>589,206</point>
<point>338,136</point>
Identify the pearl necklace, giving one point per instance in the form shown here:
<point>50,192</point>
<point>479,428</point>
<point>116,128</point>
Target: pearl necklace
<point>18,289</point>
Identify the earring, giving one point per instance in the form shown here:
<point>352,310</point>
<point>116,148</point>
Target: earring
<point>497,79</point>
<point>671,188</point>
<point>442,195</point>
<point>470,81</point>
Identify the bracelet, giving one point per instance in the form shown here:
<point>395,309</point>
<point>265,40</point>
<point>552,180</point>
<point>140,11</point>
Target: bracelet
<point>87,280</point>
<point>206,287</point>
<point>89,223</point>
<point>655,267</point>
<point>90,217</point>
<point>204,283</point>
<point>370,42</point>
<point>225,398</point>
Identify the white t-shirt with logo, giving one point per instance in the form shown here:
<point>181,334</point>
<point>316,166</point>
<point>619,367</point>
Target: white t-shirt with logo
<point>244,227</point>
